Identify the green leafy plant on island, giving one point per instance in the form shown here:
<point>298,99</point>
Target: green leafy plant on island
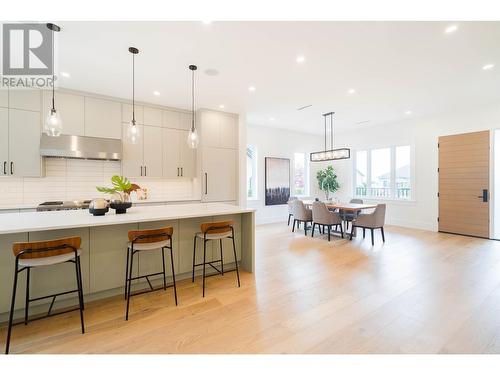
<point>122,187</point>
<point>327,181</point>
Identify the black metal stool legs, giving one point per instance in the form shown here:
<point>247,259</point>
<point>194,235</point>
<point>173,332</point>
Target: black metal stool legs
<point>221,258</point>
<point>80,291</point>
<point>236,260</point>
<point>129,280</point>
<point>204,262</point>
<point>173,270</point>
<point>126,273</point>
<point>12,304</point>
<point>26,307</point>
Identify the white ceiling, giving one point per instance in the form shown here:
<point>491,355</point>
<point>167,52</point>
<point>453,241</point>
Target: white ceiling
<point>393,66</point>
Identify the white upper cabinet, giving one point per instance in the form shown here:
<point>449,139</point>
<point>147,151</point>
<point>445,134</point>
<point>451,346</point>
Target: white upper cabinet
<point>170,119</point>
<point>4,141</point>
<point>103,118</point>
<point>152,116</point>
<point>127,113</point>
<point>171,153</point>
<point>184,121</point>
<point>133,154</point>
<point>187,156</point>
<point>26,99</point>
<point>152,137</point>
<point>71,108</point>
<point>4,97</point>
<point>218,129</point>
<point>210,129</point>
<point>228,131</point>
<point>24,143</point>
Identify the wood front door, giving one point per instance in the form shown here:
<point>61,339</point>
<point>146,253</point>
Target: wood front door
<point>464,179</point>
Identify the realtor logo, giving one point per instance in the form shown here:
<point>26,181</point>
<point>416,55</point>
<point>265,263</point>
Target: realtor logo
<point>27,49</point>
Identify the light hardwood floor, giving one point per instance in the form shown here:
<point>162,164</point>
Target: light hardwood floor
<point>420,292</point>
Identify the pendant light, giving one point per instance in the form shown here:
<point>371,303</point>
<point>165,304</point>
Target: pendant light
<point>330,153</point>
<point>53,123</point>
<point>133,133</point>
<point>193,140</point>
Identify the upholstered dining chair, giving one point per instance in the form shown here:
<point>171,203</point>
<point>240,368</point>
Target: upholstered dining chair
<point>348,217</point>
<point>375,220</point>
<point>290,208</point>
<point>323,217</point>
<point>301,214</point>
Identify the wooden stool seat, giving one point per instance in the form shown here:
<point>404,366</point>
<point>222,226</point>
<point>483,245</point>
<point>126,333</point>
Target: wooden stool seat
<point>148,246</point>
<point>48,261</point>
<point>214,236</point>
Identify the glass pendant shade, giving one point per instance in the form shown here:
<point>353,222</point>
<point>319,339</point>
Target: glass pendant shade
<point>133,132</point>
<point>193,140</point>
<point>53,124</point>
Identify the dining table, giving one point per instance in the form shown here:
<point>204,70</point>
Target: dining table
<point>346,207</point>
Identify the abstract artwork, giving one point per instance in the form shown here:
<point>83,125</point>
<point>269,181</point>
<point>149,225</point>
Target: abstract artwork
<point>277,181</point>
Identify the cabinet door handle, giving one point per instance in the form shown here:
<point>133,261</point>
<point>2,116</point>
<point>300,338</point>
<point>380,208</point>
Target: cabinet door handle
<point>206,183</point>
<point>141,170</point>
<point>145,171</point>
<point>4,167</point>
<point>11,167</point>
<point>182,171</point>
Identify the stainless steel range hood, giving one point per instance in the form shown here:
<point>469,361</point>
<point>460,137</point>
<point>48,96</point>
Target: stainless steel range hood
<point>78,147</point>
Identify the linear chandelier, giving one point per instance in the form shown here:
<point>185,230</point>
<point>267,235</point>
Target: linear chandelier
<point>330,153</point>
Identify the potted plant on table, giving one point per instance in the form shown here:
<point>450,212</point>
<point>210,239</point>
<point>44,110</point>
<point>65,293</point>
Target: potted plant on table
<point>327,181</point>
<point>120,193</point>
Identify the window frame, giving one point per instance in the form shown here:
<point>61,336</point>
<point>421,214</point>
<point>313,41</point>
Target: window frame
<point>392,196</point>
<point>306,175</point>
<point>255,166</point>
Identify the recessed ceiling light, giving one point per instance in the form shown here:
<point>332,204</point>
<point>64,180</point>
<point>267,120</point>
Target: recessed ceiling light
<point>221,106</point>
<point>351,91</point>
<point>408,112</point>
<point>251,88</point>
<point>65,74</point>
<point>451,29</point>
<point>271,118</point>
<point>156,93</point>
<point>300,59</point>
<point>488,66</point>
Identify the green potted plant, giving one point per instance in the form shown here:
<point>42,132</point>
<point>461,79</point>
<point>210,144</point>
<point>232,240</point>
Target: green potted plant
<point>327,181</point>
<point>120,193</point>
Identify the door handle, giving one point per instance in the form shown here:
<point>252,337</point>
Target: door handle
<point>182,171</point>
<point>206,183</point>
<point>141,170</point>
<point>4,167</point>
<point>145,171</point>
<point>177,171</point>
<point>484,197</point>
<point>11,167</point>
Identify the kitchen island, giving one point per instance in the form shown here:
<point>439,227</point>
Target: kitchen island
<point>104,241</point>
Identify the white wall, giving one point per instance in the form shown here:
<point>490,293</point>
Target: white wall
<point>283,144</point>
<point>422,134</point>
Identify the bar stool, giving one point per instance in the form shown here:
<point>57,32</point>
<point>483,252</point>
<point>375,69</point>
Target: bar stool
<point>211,232</point>
<point>148,240</point>
<point>39,254</point>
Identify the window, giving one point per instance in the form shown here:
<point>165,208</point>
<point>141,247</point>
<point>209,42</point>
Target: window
<point>383,173</point>
<point>251,172</point>
<point>300,180</point>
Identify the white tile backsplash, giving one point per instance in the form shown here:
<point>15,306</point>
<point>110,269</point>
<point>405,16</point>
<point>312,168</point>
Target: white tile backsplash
<point>68,179</point>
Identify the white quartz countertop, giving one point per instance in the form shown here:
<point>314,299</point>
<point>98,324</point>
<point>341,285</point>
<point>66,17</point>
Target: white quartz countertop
<point>39,221</point>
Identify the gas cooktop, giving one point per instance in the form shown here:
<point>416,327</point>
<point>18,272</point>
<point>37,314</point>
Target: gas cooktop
<point>63,205</point>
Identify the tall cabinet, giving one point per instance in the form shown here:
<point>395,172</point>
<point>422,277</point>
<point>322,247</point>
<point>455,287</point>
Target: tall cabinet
<point>219,156</point>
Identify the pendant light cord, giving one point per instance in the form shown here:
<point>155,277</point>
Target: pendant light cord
<point>53,75</point>
<point>192,103</point>
<point>133,89</point>
<point>331,131</point>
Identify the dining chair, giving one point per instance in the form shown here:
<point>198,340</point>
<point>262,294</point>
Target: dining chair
<point>301,214</point>
<point>350,216</point>
<point>324,218</point>
<point>290,208</point>
<point>375,220</point>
